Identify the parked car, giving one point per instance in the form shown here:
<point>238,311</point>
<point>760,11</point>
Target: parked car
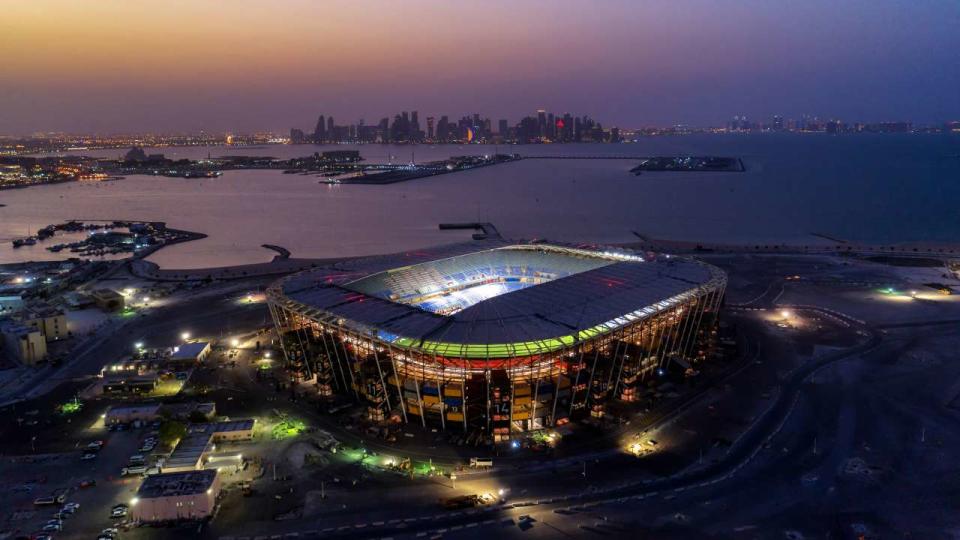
<point>128,471</point>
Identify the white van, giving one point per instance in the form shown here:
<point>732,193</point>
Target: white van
<point>477,462</point>
<point>127,471</point>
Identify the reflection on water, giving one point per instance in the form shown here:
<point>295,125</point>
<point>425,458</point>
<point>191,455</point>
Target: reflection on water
<point>876,188</point>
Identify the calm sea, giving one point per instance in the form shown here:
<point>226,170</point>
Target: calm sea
<point>870,188</point>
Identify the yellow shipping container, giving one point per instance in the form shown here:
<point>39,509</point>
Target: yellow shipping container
<point>521,415</point>
<point>455,417</point>
<point>522,390</point>
<point>523,401</point>
<point>430,400</point>
<point>413,409</point>
<point>454,391</point>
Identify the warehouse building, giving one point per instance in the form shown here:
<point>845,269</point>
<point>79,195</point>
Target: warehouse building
<point>176,496</point>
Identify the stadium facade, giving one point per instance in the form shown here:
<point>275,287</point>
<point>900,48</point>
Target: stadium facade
<point>495,336</point>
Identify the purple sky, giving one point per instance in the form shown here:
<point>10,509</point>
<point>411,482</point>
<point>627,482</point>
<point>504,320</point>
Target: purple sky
<point>113,66</point>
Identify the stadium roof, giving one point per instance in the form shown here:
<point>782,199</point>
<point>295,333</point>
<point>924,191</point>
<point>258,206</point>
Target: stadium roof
<point>585,293</point>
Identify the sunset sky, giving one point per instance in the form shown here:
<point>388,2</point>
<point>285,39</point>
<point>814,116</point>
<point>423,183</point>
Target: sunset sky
<point>127,65</point>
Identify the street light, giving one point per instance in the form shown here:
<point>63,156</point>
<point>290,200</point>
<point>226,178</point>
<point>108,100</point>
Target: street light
<point>785,314</point>
<point>234,342</point>
<point>185,336</point>
<point>138,345</point>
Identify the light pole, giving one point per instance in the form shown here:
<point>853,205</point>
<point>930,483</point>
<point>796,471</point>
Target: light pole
<point>453,481</point>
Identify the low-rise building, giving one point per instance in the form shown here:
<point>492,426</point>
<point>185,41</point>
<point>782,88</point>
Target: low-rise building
<point>50,322</point>
<point>174,496</point>
<point>230,430</point>
<point>131,384</point>
<point>148,412</point>
<point>22,343</point>
<point>125,414</point>
<point>201,441</point>
<point>190,353</point>
<point>107,299</point>
<point>11,301</point>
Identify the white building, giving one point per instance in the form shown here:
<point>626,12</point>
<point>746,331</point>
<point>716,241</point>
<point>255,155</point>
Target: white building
<point>173,496</point>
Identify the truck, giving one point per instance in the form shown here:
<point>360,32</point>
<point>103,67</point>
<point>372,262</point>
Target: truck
<point>477,462</point>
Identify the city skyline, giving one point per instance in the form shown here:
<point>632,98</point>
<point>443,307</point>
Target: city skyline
<point>112,67</point>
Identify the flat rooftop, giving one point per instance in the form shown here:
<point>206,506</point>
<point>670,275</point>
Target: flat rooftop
<point>500,300</point>
<point>189,451</point>
<point>176,484</point>
<point>132,409</point>
<point>243,424</point>
<point>189,351</point>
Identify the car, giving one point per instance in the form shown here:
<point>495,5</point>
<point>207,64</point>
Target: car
<point>119,505</point>
<point>87,482</point>
<point>95,446</point>
<point>87,456</point>
<point>71,506</point>
<point>104,537</point>
<point>61,515</point>
<point>45,501</point>
<point>110,531</point>
<point>42,537</point>
<point>118,513</point>
<point>53,526</point>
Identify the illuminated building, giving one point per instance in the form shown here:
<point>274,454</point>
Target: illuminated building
<point>496,336</point>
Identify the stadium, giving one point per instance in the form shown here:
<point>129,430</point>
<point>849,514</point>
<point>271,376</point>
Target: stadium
<point>495,336</point>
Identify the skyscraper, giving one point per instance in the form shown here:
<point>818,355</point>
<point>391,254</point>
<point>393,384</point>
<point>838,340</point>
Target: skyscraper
<point>542,122</point>
<point>320,132</point>
<point>414,127</point>
<point>430,128</point>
